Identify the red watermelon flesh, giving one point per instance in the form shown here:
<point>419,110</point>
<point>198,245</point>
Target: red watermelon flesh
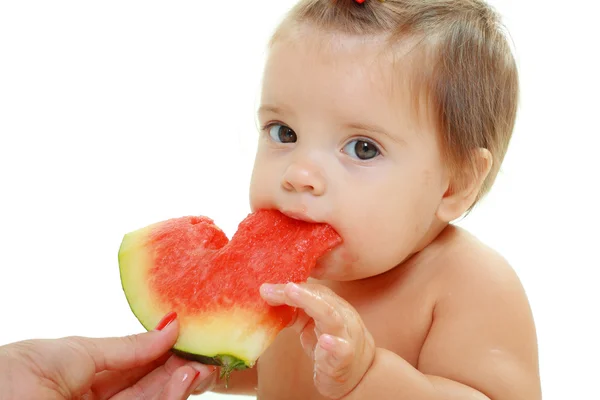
<point>189,266</point>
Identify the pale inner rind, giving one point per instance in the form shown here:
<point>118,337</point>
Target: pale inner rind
<point>234,332</point>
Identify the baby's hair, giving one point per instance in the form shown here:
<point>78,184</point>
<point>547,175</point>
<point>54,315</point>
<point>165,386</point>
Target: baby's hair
<point>466,73</point>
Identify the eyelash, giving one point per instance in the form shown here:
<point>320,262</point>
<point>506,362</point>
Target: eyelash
<point>267,126</point>
<point>265,129</point>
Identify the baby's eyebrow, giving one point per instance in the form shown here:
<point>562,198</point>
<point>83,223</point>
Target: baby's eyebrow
<point>270,108</point>
<point>373,129</point>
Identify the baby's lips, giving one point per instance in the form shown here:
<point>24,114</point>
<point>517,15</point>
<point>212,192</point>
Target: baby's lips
<point>299,215</point>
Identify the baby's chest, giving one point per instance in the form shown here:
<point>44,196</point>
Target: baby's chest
<point>286,372</point>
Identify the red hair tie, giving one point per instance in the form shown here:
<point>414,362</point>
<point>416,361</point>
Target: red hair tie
<point>359,1</point>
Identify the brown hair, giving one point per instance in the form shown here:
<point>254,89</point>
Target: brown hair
<point>469,76</point>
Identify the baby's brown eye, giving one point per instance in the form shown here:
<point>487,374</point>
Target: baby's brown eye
<point>282,134</point>
<point>362,149</point>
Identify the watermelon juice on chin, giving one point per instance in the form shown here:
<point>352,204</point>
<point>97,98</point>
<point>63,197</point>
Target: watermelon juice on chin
<point>189,266</point>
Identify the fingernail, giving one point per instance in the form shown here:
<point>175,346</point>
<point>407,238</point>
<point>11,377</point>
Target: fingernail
<point>203,369</point>
<point>294,290</point>
<point>202,381</point>
<point>187,376</point>
<point>327,342</point>
<point>167,319</point>
<point>269,290</point>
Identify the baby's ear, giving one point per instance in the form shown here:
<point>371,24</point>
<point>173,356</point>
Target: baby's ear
<point>460,196</point>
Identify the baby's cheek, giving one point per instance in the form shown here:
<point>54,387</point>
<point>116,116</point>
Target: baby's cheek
<point>261,195</point>
<point>384,245</point>
<point>347,257</point>
<point>338,264</point>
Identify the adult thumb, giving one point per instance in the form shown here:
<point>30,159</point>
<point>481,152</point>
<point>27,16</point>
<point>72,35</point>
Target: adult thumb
<point>121,353</point>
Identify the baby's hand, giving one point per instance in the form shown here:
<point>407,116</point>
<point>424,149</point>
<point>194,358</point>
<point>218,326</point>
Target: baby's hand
<point>331,332</point>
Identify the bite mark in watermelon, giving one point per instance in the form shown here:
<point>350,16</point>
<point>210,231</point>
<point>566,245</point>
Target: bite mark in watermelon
<point>188,265</point>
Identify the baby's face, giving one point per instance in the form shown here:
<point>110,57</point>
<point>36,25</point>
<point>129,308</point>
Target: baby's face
<point>340,145</point>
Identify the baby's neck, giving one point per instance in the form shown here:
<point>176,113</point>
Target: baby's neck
<point>427,244</point>
<point>435,231</point>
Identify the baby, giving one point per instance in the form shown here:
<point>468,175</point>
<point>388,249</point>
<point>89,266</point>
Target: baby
<point>388,120</point>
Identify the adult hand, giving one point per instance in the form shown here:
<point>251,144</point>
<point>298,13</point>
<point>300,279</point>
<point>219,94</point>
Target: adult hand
<point>132,367</point>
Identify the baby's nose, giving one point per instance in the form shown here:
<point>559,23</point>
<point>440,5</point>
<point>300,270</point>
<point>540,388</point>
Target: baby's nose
<point>304,178</point>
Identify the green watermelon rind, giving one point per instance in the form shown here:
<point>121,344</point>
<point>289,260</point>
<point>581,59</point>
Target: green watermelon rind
<point>134,264</point>
<point>228,362</point>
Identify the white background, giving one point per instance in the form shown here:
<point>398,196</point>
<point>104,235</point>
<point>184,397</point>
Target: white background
<point>116,114</point>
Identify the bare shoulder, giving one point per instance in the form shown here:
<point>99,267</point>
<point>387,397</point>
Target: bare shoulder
<point>462,261</point>
<point>482,334</point>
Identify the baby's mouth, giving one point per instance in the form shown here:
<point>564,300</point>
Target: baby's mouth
<point>318,270</point>
<point>299,215</point>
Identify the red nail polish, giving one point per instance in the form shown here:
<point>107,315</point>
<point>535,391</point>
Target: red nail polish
<point>167,319</point>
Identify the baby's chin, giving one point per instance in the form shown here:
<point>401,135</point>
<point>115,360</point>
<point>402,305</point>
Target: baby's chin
<point>320,271</point>
<point>336,265</point>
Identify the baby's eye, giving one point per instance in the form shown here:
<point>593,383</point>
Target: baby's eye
<point>362,149</point>
<point>282,134</point>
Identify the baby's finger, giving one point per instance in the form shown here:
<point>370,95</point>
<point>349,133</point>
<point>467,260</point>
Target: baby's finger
<point>308,339</point>
<point>273,294</point>
<point>333,366</point>
<point>320,306</point>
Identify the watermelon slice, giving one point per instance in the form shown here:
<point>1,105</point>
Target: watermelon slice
<point>189,266</point>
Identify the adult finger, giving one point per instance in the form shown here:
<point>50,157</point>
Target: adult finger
<point>175,379</point>
<point>123,353</point>
<point>108,383</point>
<point>183,382</point>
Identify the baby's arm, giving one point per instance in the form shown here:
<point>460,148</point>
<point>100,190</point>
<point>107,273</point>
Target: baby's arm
<point>483,332</point>
<point>481,345</point>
